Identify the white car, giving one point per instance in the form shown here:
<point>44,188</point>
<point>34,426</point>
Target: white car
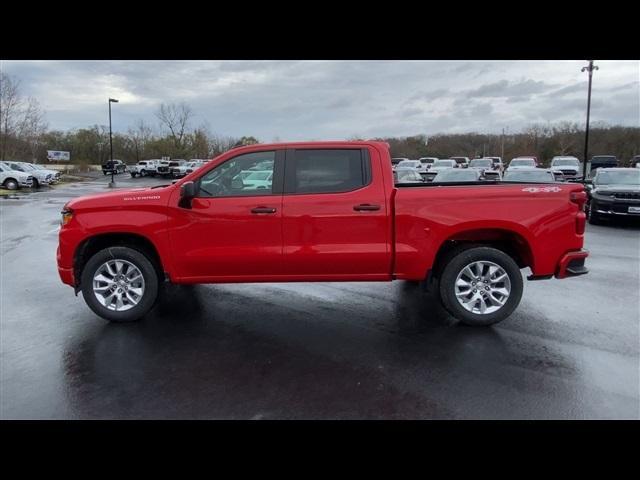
<point>14,179</point>
<point>530,175</point>
<point>144,168</point>
<point>414,164</point>
<point>187,168</point>
<point>497,164</point>
<point>40,177</point>
<point>395,161</point>
<point>257,179</point>
<point>522,162</point>
<point>56,173</point>
<point>438,166</point>
<point>486,168</point>
<point>570,167</point>
<point>463,162</point>
<point>427,162</point>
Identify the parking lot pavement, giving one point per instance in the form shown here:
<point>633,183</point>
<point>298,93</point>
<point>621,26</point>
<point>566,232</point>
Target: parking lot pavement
<point>326,350</point>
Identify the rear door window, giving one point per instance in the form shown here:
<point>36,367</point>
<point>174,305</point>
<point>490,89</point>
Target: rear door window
<point>327,170</point>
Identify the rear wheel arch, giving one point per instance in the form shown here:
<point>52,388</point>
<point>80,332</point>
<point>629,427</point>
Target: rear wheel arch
<point>96,243</point>
<point>507,241</point>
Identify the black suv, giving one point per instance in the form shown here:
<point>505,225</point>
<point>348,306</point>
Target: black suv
<point>613,192</point>
<point>603,161</point>
<point>115,166</point>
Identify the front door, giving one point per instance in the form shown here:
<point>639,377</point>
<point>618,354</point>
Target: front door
<point>233,229</point>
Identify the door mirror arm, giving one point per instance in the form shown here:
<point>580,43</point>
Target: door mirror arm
<point>187,194</point>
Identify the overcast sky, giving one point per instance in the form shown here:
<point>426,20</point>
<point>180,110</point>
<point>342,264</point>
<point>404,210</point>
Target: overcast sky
<point>307,100</point>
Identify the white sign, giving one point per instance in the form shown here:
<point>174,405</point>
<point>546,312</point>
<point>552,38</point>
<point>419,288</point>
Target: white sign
<point>54,155</point>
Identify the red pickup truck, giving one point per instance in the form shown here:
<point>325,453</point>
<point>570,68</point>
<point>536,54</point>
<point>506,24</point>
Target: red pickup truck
<point>321,211</point>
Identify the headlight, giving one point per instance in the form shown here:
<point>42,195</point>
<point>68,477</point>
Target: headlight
<point>67,215</point>
<point>601,194</point>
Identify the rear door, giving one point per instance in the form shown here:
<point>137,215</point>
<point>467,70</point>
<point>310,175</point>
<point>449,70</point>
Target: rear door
<point>335,215</point>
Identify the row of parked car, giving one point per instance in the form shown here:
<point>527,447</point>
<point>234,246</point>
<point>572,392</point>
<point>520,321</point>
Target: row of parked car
<point>526,168</point>
<point>155,167</point>
<point>15,175</point>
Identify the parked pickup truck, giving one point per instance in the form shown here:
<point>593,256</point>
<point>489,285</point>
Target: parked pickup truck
<point>144,168</point>
<point>331,214</point>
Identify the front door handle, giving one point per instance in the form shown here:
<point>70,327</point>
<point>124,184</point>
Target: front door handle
<point>365,207</point>
<point>263,210</point>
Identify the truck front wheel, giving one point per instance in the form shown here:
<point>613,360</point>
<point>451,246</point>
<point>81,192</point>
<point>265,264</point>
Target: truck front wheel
<point>481,286</point>
<point>119,284</point>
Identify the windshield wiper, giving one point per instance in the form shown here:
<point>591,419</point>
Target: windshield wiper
<point>159,186</point>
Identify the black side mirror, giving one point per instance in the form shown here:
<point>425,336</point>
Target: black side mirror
<point>187,193</point>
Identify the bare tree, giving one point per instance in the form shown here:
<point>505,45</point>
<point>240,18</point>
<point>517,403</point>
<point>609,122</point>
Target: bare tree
<point>176,119</point>
<point>9,109</point>
<point>140,136</point>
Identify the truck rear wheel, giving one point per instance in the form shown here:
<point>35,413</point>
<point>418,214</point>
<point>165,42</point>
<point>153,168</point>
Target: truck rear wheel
<point>481,286</point>
<point>119,284</point>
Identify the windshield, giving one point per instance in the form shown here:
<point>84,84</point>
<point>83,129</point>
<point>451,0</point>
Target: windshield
<point>481,163</point>
<point>620,177</point>
<point>456,175</point>
<point>444,163</point>
<point>566,161</point>
<point>523,162</point>
<point>408,176</point>
<point>408,163</point>
<point>529,176</point>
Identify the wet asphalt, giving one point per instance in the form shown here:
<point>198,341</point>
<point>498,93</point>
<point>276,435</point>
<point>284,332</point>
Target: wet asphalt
<point>312,351</point>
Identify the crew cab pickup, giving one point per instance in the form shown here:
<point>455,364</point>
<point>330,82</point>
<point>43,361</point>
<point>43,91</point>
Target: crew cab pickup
<point>331,213</point>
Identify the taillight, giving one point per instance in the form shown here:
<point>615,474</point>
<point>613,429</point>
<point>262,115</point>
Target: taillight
<point>579,198</point>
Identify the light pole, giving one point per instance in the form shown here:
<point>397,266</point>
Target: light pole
<point>590,68</point>
<point>111,100</point>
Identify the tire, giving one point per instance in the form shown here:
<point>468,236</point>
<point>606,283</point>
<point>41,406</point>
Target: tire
<point>143,173</point>
<point>592,217</point>
<point>491,258</point>
<point>35,184</point>
<point>133,174</point>
<point>11,184</point>
<point>127,256</point>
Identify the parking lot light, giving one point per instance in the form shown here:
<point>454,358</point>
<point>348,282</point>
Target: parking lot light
<point>112,183</point>
<point>590,68</point>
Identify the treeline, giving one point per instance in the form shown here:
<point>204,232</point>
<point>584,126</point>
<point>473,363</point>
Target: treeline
<point>542,141</point>
<point>24,135</point>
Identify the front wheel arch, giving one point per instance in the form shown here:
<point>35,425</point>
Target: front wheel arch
<point>94,244</point>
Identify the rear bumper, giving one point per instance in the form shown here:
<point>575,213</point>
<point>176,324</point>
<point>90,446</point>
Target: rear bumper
<point>572,264</point>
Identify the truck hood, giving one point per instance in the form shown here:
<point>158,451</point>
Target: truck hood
<point>617,188</point>
<point>122,198</point>
<point>558,168</point>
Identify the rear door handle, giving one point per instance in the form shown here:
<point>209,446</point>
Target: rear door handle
<point>263,210</point>
<point>365,207</point>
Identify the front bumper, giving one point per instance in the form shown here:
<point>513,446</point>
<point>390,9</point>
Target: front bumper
<point>615,207</point>
<point>572,264</point>
<point>66,274</point>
